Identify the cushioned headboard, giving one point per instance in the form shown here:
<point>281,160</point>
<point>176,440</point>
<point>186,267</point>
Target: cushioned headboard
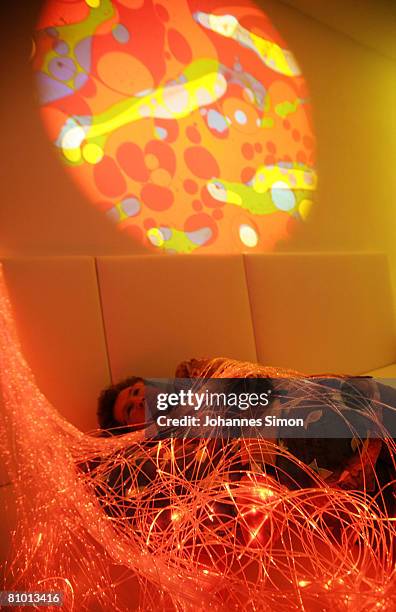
<point>158,311</point>
<point>322,312</point>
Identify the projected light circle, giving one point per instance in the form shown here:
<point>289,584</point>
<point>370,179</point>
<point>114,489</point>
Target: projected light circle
<point>187,122</point>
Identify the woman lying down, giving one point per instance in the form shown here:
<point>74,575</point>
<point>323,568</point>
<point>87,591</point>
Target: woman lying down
<point>221,524</point>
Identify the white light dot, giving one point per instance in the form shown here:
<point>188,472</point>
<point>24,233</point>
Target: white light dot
<point>282,196</point>
<point>240,117</point>
<point>248,235</point>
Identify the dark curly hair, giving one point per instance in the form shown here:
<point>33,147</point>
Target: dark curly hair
<point>106,401</point>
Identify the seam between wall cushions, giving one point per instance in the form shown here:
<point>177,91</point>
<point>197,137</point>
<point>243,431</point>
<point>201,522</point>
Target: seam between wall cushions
<point>103,320</point>
<point>250,306</point>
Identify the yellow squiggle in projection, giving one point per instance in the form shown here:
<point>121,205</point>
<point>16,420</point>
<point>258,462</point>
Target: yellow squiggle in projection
<point>272,55</point>
<point>273,188</point>
<point>199,85</point>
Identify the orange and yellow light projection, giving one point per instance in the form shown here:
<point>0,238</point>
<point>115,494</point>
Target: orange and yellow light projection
<point>187,122</point>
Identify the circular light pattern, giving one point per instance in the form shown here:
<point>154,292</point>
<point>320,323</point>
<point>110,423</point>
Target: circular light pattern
<point>197,108</point>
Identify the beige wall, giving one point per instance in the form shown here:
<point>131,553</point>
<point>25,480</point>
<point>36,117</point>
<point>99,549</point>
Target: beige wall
<point>353,93</point>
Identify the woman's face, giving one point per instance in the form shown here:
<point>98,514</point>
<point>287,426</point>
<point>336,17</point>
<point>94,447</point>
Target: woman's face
<point>129,408</point>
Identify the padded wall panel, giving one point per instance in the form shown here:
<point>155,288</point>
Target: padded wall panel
<point>59,320</point>
<point>159,311</point>
<point>388,371</point>
<point>322,312</point>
